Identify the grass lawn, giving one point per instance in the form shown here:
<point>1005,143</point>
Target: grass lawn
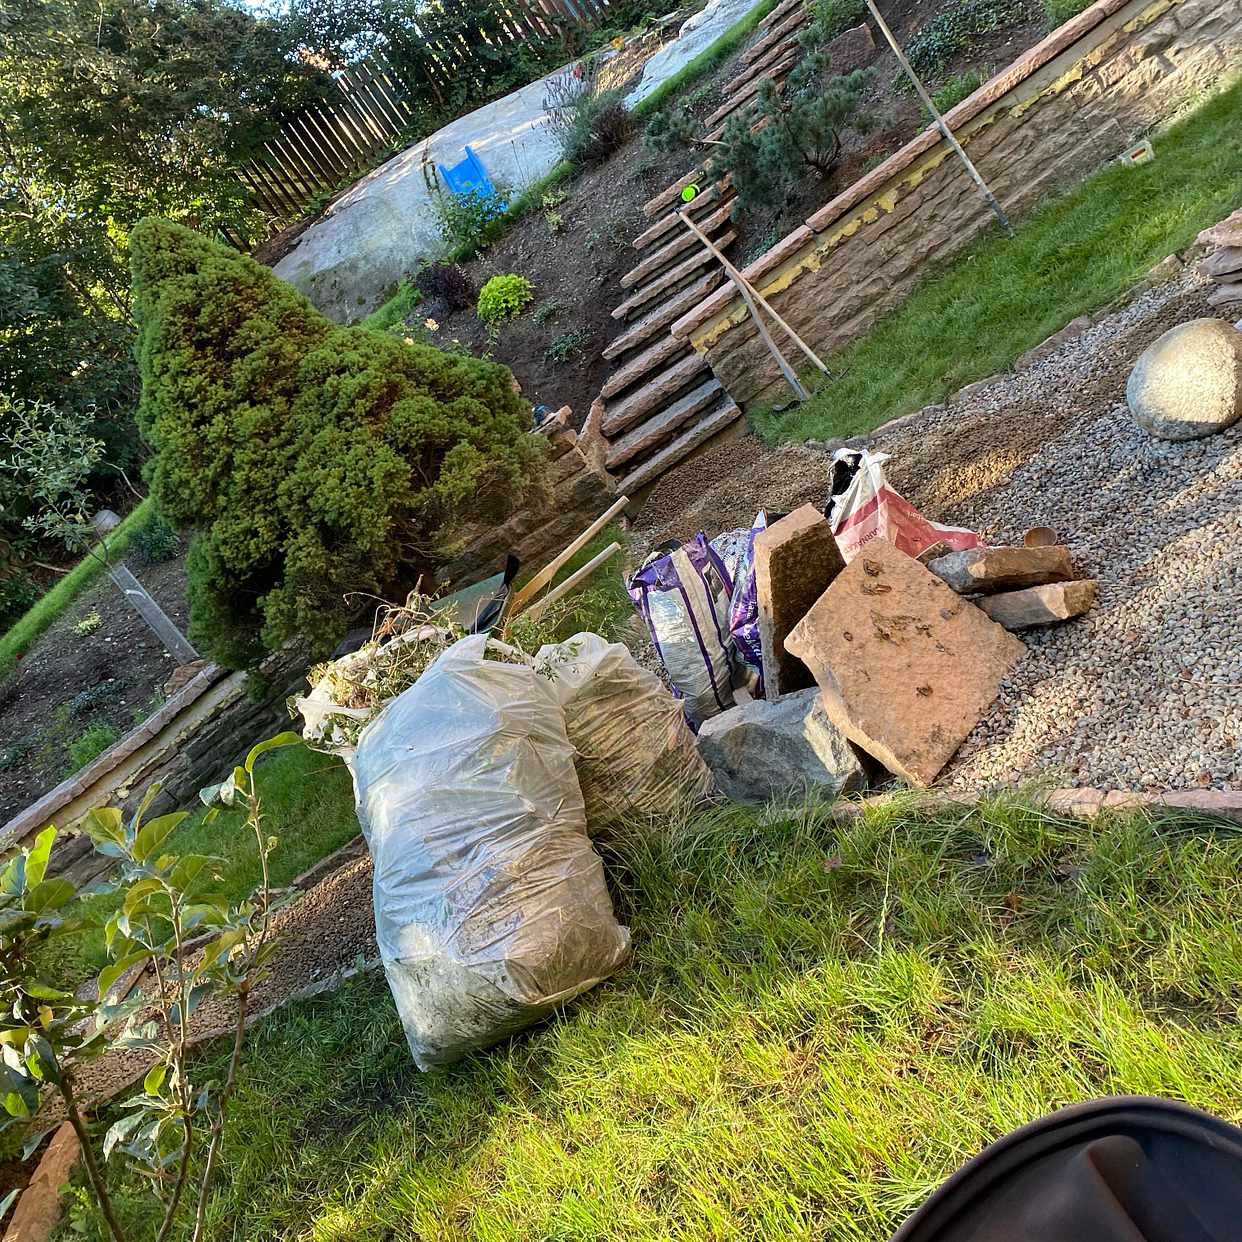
<point>307,802</point>
<point>819,1025</point>
<point>1075,254</point>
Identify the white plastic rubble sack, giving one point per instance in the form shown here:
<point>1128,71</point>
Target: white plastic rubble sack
<point>637,761</point>
<point>869,509</point>
<point>490,903</point>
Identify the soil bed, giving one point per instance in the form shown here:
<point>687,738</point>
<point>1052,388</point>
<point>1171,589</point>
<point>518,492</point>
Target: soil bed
<point>554,348</point>
<point>68,683</point>
<point>1141,693</point>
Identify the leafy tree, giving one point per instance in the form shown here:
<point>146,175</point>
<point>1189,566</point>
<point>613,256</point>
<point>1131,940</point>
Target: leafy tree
<point>163,900</point>
<point>317,465</point>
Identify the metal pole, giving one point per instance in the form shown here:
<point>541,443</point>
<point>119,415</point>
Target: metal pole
<point>161,624</point>
<point>988,196</point>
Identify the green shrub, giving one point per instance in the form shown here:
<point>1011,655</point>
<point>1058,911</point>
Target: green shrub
<point>952,30</point>
<point>589,123</point>
<point>566,345</point>
<point>803,136</point>
<point>1060,11</point>
<point>960,86</point>
<point>470,222</point>
<point>316,465</point>
<point>503,297</point>
<point>89,745</point>
<point>156,542</point>
<point>830,18</point>
<point>18,592</point>
<point>89,624</point>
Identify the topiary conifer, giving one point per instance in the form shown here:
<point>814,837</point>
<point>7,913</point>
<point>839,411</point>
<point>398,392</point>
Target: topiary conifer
<point>316,465</point>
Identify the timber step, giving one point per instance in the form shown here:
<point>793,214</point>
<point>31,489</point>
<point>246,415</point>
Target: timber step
<point>713,195</point>
<point>685,444</point>
<point>663,351</point>
<point>748,92</point>
<point>764,63</point>
<point>782,10</point>
<point>669,281</point>
<point>670,250</point>
<point>666,313</point>
<point>652,433</point>
<point>666,198</point>
<point>775,34</point>
<point>624,414</point>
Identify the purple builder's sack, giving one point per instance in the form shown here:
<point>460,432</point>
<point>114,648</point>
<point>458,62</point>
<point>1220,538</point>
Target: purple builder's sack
<point>683,594</point>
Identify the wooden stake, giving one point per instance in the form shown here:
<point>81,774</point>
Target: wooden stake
<point>536,609</point>
<point>520,598</point>
<point>739,280</point>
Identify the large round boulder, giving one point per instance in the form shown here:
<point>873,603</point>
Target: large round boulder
<point>1189,382</point>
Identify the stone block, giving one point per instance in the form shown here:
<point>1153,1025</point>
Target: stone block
<point>907,668</point>
<point>855,49</point>
<point>1041,605</point>
<point>983,571</point>
<point>796,560</point>
<point>1223,263</point>
<point>765,750</point>
<point>38,1209</point>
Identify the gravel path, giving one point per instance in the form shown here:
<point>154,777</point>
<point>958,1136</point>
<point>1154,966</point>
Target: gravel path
<point>1143,693</point>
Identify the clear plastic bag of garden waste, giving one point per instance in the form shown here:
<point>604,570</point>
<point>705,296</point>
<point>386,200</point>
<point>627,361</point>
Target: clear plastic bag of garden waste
<point>490,903</point>
<point>637,761</point>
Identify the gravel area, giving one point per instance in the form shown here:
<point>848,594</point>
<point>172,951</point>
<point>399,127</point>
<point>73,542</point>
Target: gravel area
<point>1143,693</point>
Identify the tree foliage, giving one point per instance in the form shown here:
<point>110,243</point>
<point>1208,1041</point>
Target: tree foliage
<point>778,139</point>
<point>316,464</point>
<point>111,110</point>
<point>162,900</point>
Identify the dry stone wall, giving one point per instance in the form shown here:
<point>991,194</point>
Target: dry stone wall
<point>1055,115</point>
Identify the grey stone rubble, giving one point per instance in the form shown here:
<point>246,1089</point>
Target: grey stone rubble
<point>1145,691</point>
<point>784,750</point>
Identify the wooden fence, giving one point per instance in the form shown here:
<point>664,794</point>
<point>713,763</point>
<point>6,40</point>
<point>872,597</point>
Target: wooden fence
<point>322,147</point>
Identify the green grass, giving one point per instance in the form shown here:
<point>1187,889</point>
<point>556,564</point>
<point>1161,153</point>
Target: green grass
<point>705,61</point>
<point>1060,11</point>
<point>818,1026</point>
<point>27,630</point>
<point>307,801</point>
<point>1074,254</point>
<point>89,745</point>
<point>396,310</point>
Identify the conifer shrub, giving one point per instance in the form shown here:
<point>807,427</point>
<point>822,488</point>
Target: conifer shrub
<point>317,466</point>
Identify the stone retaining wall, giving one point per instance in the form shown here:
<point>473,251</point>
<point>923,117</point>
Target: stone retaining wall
<point>190,741</point>
<point>1058,113</point>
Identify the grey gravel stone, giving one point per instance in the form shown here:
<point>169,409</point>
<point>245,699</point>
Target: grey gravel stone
<point>1145,691</point>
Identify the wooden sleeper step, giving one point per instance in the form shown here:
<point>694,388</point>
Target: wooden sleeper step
<point>749,91</point>
<point>683,446</point>
<point>664,350</point>
<point>666,198</point>
<point>651,434</point>
<point>634,408</point>
<point>672,278</point>
<point>717,195</point>
<point>670,250</point>
<point>664,314</point>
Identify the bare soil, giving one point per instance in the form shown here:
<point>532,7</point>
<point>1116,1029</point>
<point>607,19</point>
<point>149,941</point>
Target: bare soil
<point>68,683</point>
<point>554,348</point>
